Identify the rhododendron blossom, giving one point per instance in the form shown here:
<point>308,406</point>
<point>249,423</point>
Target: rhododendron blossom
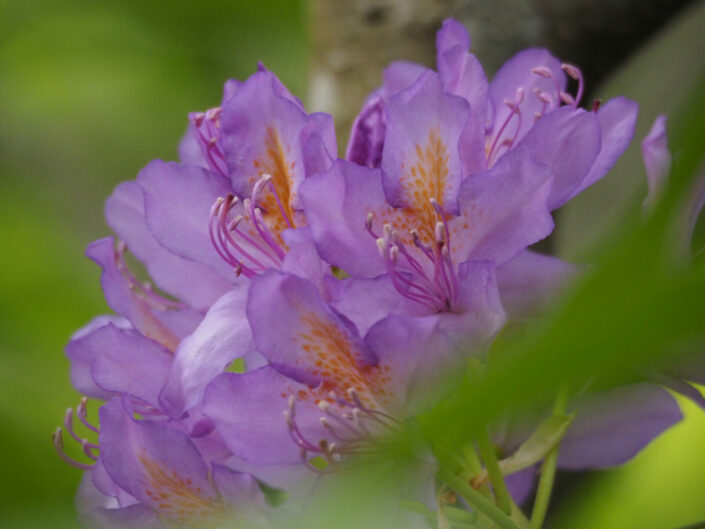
<point>351,292</point>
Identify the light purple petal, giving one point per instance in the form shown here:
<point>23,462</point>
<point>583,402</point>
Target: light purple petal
<point>504,209</point>
<point>419,358</point>
<point>128,363</point>
<point>157,464</point>
<point>302,259</point>
<point>617,119</point>
<point>318,142</point>
<point>192,282</point>
<point>399,76</point>
<point>420,159</point>
<point>568,141</point>
<point>521,484</point>
<point>516,75</point>
<point>261,134</point>
<point>307,335</point>
<point>165,326</point>
<point>337,204</point>
<point>451,34</point>
<point>248,410</point>
<point>478,314</point>
<point>530,281</point>
<point>462,75</point>
<point>178,201</point>
<point>657,158</point>
<point>367,134</point>
<point>612,427</point>
<point>223,335</point>
<point>81,353</point>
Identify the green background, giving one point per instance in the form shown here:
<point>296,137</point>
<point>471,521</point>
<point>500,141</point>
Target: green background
<point>91,91</point>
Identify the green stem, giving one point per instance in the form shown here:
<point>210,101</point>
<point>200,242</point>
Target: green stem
<point>501,494</point>
<point>476,500</point>
<point>548,472</point>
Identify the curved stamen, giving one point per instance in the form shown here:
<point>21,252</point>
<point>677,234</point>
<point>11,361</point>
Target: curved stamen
<point>575,73</point>
<point>58,442</point>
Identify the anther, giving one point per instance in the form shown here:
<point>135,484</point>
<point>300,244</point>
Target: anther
<point>324,405</point>
<point>440,233</point>
<point>382,248</point>
<point>567,98</point>
<point>571,70</point>
<point>542,71</point>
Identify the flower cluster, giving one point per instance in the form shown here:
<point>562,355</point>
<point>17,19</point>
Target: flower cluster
<point>312,303</point>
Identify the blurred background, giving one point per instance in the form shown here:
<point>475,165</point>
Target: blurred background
<point>91,91</point>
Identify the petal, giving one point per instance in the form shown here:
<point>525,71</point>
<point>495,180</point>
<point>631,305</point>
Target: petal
<point>451,34</point>
<point>612,427</point>
<point>367,134</point>
<point>420,159</point>
<point>242,495</point>
<point>190,281</point>
<point>248,410</point>
<point>318,142</point>
<point>81,353</point>
<point>516,74</point>
<point>223,335</point>
<point>399,76</point>
<point>261,134</point>
<point>419,361</point>
<point>657,158</point>
<point>568,141</point>
<point>462,75</point>
<point>367,301</point>
<point>504,209</point>
<point>165,326</point>
<point>128,363</point>
<point>617,119</point>
<point>478,314</point>
<point>302,259</point>
<point>157,464</point>
<point>307,340</point>
<point>337,204</point>
<point>178,201</point>
<point>530,281</point>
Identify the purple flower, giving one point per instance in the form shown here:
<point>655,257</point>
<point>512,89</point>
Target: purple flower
<point>150,473</point>
<point>459,170</point>
<point>336,387</point>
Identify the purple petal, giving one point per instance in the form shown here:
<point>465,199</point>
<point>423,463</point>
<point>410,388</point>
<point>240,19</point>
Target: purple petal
<point>128,363</point>
<point>516,75</point>
<point>617,119</point>
<point>657,158</point>
<point>420,160</point>
<point>419,358</point>
<point>302,259</point>
<point>478,313</point>
<point>248,410</point>
<point>318,142</point>
<point>223,335</point>
<point>367,134</point>
<point>504,209</point>
<point>165,326</point>
<point>451,34</point>
<point>336,205</point>
<point>262,129</point>
<point>521,484</point>
<point>612,427</point>
<point>307,335</point>
<point>530,281</point>
<point>178,201</point>
<point>157,464</point>
<point>399,76</point>
<point>82,354</point>
<point>193,282</point>
<point>462,75</point>
<point>568,141</point>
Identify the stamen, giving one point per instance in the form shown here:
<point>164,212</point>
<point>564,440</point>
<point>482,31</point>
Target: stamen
<point>575,73</point>
<point>58,442</point>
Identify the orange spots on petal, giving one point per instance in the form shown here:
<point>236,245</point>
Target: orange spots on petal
<point>274,161</point>
<point>177,499</point>
<point>334,357</point>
